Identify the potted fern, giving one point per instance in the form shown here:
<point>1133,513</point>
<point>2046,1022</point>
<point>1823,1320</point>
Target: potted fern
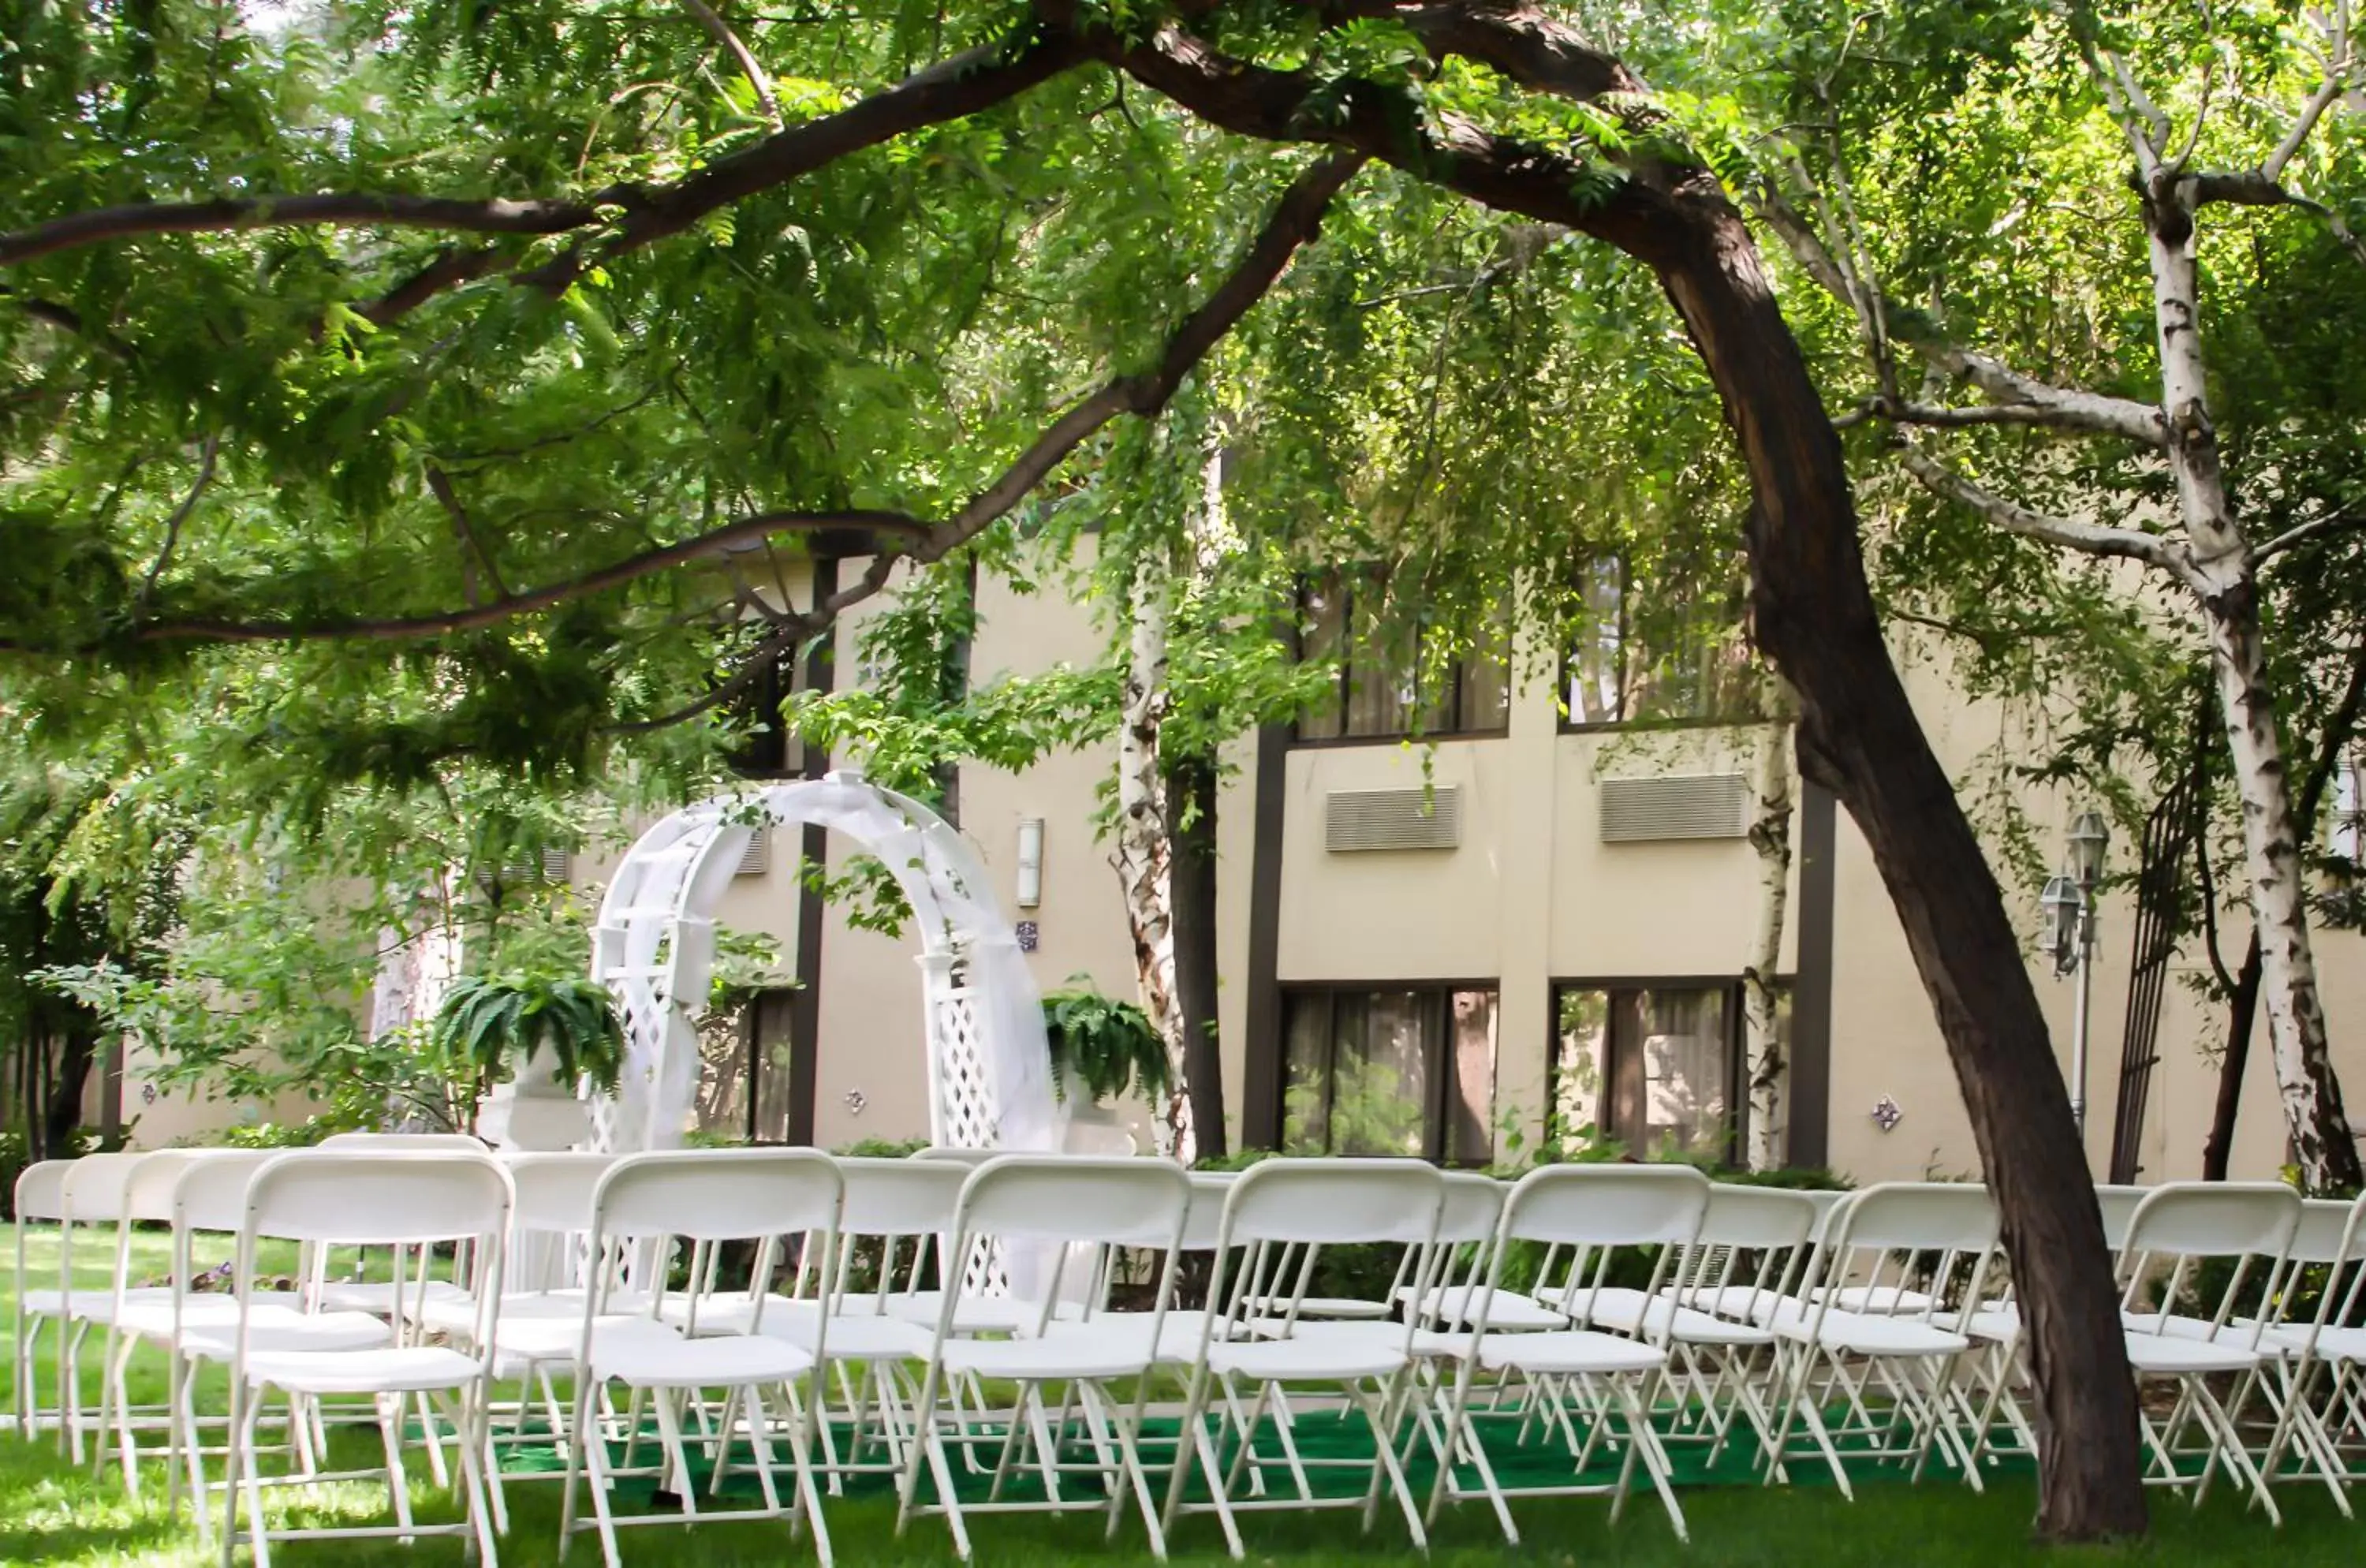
<point>530,1039</point>
<point>1102,1049</point>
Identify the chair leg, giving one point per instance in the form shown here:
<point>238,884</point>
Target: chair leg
<point>398,1481</point>
<point>257,1526</point>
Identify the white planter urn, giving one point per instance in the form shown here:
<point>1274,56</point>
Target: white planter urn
<point>534,1111</point>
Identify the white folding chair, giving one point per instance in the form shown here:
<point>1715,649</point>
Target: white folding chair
<point>90,1196</point>
<point>1885,1247</point>
<point>2321,1346</point>
<point>1588,1385</point>
<point>363,1199</point>
<point>1712,1313</point>
<point>2186,1226</point>
<point>41,1197</point>
<point>1304,1204</point>
<point>645,1204</point>
<point>1096,1203</point>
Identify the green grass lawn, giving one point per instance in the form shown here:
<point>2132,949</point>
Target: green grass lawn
<point>60,1515</point>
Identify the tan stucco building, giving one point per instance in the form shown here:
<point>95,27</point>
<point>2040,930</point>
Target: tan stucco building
<point>1571,933</point>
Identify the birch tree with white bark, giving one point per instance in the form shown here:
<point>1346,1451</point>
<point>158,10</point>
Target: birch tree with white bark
<point>2194,145</point>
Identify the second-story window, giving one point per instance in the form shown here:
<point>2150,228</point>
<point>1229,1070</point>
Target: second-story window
<point>1658,648</point>
<point>1394,679</point>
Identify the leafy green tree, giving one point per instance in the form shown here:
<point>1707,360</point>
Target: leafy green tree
<point>2053,230</point>
<point>405,344</point>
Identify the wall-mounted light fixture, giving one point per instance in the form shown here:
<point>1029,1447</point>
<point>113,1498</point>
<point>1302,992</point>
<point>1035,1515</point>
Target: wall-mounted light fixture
<point>1030,862</point>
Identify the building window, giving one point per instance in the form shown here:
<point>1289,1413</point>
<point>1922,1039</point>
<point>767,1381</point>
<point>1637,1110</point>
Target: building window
<point>1657,1067</point>
<point>1673,652</point>
<point>1396,1071</point>
<point>1390,684</point>
<point>767,750</point>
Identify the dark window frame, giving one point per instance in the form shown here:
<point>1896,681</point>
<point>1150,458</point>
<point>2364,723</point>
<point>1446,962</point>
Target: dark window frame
<point>1569,724</point>
<point>1731,1155</point>
<point>1438,1107</point>
<point>1350,579</point>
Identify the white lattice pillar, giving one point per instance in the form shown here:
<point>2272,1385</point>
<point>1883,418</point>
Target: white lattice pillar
<point>963,1111</point>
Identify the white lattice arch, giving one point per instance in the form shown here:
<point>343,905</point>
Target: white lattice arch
<point>989,1070</point>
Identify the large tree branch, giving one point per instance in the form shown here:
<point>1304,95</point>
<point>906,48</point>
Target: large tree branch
<point>2032,400</point>
<point>1294,222</point>
<point>951,89</point>
<point>2089,538</point>
<point>398,628</point>
<point>1380,122</point>
<point>759,80</point>
<point>2304,531</point>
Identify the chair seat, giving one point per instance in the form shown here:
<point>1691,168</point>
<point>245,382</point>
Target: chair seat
<point>2174,1355</point>
<point>1866,1334</point>
<point>1179,1337</point>
<point>1350,1307</point>
<point>1998,1325</point>
<point>272,1330</point>
<point>735,1312</point>
<point>380,1296</point>
<point>645,1361</point>
<point>1507,1310</point>
<point>152,1318</point>
<point>1079,1355</point>
<point>1879,1299</point>
<point>531,1340</point>
<point>88,1307</point>
<point>1569,1351</point>
<point>977,1315</point>
<point>1635,1311</point>
<point>390,1370</point>
<point>849,1338</point>
<point>458,1314</point>
<point>1317,1357</point>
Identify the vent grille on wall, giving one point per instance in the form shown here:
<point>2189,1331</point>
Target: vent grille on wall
<point>757,859</point>
<point>1699,806</point>
<point>551,866</point>
<point>1356,819</point>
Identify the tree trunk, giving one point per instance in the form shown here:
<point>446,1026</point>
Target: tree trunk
<point>1143,844</point>
<point>2333,741</point>
<point>1858,736</point>
<point>62,1117</point>
<point>2228,590</point>
<point>1761,994</point>
<point>2242,1007</point>
<point>1191,786</point>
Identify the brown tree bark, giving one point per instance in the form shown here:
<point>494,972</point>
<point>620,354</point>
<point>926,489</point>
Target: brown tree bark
<point>1815,619</point>
<point>1191,790</point>
<point>2242,1008</point>
<point>1858,737</point>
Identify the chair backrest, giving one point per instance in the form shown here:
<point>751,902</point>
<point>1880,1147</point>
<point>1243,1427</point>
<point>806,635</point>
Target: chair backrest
<point>1328,1201</point>
<point>1920,1216</point>
<point>1102,1200</point>
<point>718,1194</point>
<point>211,1193</point>
<point>1772,1218</point>
<point>1205,1222</point>
<point>148,1194</point>
<point>41,1190</point>
<point>94,1188</point>
<point>956,1156</point>
<point>1473,1205</point>
<point>901,1197</point>
<point>2191,1222</point>
<point>1753,1243</point>
<point>411,1142</point>
<point>2118,1202</point>
<point>555,1191</point>
<point>1607,1205</point>
<point>2326,1231</point>
<point>371,1197</point>
<point>2215,1219</point>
